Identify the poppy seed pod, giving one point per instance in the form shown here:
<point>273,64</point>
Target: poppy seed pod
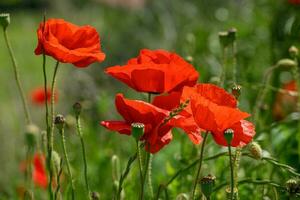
<point>31,134</point>
<point>236,91</point>
<point>293,186</point>
<point>255,150</point>
<point>77,107</point>
<point>207,184</point>
<point>59,122</point>
<point>4,20</point>
<point>137,130</point>
<point>232,34</point>
<point>224,39</point>
<point>293,51</point>
<point>228,134</point>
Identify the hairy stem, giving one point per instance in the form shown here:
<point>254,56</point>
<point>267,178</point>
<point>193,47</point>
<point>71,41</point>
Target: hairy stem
<point>231,173</point>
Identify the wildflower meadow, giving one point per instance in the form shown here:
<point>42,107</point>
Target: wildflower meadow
<point>141,99</point>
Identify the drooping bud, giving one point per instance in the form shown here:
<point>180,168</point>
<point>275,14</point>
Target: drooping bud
<point>31,134</point>
<point>182,196</point>
<point>115,162</point>
<point>95,196</point>
<point>137,130</point>
<point>236,91</point>
<point>59,122</point>
<point>286,63</point>
<point>228,134</point>
<point>293,186</point>
<point>255,150</point>
<point>293,51</point>
<point>4,20</point>
<point>207,185</point>
<point>77,108</point>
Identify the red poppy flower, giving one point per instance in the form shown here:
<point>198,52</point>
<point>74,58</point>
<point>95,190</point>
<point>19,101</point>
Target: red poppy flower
<point>215,110</point>
<point>156,71</point>
<point>156,135</point>
<point>285,102</point>
<point>38,96</point>
<point>69,43</point>
<point>39,175</point>
<point>294,1</point>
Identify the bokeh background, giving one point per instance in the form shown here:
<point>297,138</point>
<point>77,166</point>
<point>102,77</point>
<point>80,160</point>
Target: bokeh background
<point>266,29</point>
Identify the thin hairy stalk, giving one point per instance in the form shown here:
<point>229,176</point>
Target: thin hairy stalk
<point>53,84</point>
<point>125,174</point>
<point>17,77</point>
<point>234,62</point>
<point>236,165</point>
<point>224,66</point>
<point>63,142</point>
<point>58,180</point>
<point>139,155</point>
<point>145,175</point>
<point>79,130</point>
<point>231,173</point>
<point>199,167</point>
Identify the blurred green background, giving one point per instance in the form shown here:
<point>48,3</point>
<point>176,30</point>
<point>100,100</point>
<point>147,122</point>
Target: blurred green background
<point>266,29</point>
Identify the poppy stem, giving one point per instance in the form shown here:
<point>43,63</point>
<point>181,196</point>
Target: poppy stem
<point>224,66</point>
<point>63,142</point>
<point>17,77</point>
<point>231,173</point>
<point>199,167</point>
<point>139,155</point>
<point>145,175</point>
<point>58,179</point>
<point>79,131</point>
<point>53,84</point>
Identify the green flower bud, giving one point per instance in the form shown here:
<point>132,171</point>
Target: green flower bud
<point>115,162</point>
<point>255,150</point>
<point>293,51</point>
<point>228,134</point>
<point>31,134</point>
<point>4,20</point>
<point>77,108</point>
<point>207,185</point>
<point>59,122</point>
<point>137,130</point>
<point>56,160</point>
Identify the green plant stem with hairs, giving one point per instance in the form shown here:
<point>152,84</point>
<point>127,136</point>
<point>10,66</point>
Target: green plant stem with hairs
<point>231,173</point>
<point>199,167</point>
<point>58,180</point>
<point>52,107</point>
<point>140,163</point>
<point>80,134</point>
<point>144,177</point>
<point>63,143</point>
<point>17,77</point>
<point>224,66</point>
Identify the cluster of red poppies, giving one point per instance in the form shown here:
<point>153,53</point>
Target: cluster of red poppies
<point>174,81</point>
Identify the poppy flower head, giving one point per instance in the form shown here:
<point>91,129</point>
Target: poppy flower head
<point>69,43</point>
<point>38,96</point>
<point>155,71</point>
<point>156,135</point>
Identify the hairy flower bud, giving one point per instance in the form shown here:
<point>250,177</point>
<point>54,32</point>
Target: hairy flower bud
<point>137,130</point>
<point>255,150</point>
<point>77,108</point>
<point>293,51</point>
<point>59,122</point>
<point>56,160</point>
<point>207,185</point>
<point>31,134</point>
<point>4,20</point>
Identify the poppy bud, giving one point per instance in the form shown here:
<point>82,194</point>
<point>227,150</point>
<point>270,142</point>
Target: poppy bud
<point>4,20</point>
<point>224,40</point>
<point>56,160</point>
<point>137,130</point>
<point>77,108</point>
<point>236,91</point>
<point>293,51</point>
<point>228,193</point>
<point>95,196</point>
<point>232,34</point>
<point>31,134</point>
<point>59,122</point>
<point>228,134</point>
<point>255,150</point>
<point>115,162</point>
<point>207,184</point>
<point>286,63</point>
<point>293,186</point>
<point>182,196</point>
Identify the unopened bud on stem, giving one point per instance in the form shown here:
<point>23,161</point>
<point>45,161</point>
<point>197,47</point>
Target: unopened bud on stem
<point>59,122</point>
<point>77,108</point>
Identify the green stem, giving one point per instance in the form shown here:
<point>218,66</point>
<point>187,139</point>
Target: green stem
<point>237,157</point>
<point>58,180</point>
<point>63,142</point>
<point>145,175</point>
<point>234,63</point>
<point>79,130</point>
<point>231,173</point>
<point>200,165</point>
<point>139,155</point>
<point>53,84</point>
<point>17,77</point>
<point>224,64</point>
